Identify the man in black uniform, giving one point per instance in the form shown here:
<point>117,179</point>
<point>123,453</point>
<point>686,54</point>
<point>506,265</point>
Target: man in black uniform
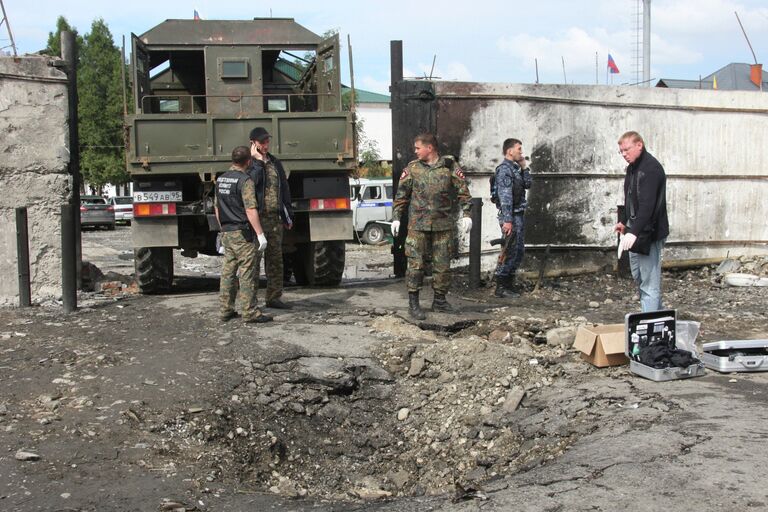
<point>236,212</point>
<point>275,213</point>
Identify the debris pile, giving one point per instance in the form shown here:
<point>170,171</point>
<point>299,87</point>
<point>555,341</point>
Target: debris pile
<point>427,415</point>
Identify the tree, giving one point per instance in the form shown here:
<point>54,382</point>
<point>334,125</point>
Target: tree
<point>100,108</point>
<point>54,38</point>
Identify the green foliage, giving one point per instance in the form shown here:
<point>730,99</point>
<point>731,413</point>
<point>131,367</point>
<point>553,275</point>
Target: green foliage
<point>100,102</point>
<point>54,38</point>
<point>368,154</point>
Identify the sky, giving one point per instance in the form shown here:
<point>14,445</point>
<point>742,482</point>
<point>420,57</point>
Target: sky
<point>479,41</point>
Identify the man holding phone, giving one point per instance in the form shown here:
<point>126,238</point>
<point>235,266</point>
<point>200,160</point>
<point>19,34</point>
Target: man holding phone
<point>274,203</point>
<point>513,178</point>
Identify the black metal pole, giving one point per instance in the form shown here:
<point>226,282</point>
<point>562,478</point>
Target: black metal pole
<point>475,234</point>
<point>69,55</point>
<point>398,160</point>
<point>22,250</point>
<point>68,274</point>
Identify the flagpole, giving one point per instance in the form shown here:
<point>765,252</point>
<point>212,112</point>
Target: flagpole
<point>596,70</point>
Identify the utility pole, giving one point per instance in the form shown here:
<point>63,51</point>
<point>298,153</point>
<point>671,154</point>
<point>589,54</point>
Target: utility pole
<point>8,27</point>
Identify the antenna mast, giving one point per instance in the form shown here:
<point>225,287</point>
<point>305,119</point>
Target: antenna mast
<point>7,26</point>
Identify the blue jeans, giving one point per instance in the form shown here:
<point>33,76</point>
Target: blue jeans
<point>646,271</point>
<point>510,259</point>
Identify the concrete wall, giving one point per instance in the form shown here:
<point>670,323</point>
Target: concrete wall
<point>33,171</point>
<point>711,143</point>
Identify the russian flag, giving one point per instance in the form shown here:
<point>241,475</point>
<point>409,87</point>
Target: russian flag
<point>196,17</point>
<point>612,65</point>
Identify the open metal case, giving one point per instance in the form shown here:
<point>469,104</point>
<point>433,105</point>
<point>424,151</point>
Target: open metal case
<point>655,328</point>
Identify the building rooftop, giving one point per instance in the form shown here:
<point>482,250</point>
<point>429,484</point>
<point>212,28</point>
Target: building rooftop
<point>733,77</point>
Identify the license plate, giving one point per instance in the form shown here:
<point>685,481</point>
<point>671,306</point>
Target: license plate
<point>157,196</point>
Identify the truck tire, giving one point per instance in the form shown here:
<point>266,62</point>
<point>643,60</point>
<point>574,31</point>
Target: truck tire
<point>154,269</point>
<point>374,234</point>
<point>319,263</point>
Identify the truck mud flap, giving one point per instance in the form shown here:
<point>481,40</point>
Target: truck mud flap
<point>155,232</point>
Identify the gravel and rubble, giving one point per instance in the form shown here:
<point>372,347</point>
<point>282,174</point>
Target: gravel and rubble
<point>139,403</point>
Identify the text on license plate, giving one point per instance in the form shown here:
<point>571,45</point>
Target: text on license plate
<point>157,196</point>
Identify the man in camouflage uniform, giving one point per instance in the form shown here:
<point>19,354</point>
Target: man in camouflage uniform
<point>429,188</point>
<point>513,177</point>
<point>235,207</point>
<point>275,213</point>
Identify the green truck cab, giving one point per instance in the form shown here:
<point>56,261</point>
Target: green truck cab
<point>200,86</point>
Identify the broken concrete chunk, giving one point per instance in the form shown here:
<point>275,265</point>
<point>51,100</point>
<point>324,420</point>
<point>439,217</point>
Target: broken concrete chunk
<point>417,366</point>
<point>499,336</point>
<point>561,336</point>
<point>513,399</point>
<point>26,456</point>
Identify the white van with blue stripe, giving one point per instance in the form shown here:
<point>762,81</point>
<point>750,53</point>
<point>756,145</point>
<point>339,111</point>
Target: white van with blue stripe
<point>371,203</point>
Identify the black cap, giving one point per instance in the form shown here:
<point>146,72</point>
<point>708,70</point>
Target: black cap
<point>259,134</point>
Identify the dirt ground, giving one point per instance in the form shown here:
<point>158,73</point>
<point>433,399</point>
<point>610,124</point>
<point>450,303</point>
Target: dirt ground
<point>150,403</point>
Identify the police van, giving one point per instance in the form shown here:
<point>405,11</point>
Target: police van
<point>371,203</point>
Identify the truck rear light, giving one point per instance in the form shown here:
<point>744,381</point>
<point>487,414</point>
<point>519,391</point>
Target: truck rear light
<point>337,203</point>
<point>153,209</point>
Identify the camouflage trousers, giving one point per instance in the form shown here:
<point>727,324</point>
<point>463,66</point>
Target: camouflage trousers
<point>512,251</point>
<point>273,257</point>
<point>239,255</point>
<point>418,245</point>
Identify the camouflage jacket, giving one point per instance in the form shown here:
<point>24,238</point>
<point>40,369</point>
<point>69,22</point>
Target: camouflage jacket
<point>511,183</point>
<point>429,193</point>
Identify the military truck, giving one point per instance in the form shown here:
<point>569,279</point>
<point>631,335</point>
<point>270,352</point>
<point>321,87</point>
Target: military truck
<point>199,87</point>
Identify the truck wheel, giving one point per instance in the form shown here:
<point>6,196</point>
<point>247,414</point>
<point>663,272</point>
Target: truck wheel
<point>154,269</point>
<point>319,263</point>
<point>373,234</point>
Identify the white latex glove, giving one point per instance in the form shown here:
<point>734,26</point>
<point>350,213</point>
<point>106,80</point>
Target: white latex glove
<point>628,241</point>
<point>220,244</point>
<point>262,242</point>
<point>466,224</point>
<point>395,227</point>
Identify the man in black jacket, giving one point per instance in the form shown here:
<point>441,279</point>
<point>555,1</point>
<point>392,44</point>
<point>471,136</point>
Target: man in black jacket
<point>644,226</point>
<point>275,211</point>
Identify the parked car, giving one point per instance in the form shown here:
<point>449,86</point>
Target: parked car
<point>94,211</point>
<point>123,206</point>
<point>371,203</point>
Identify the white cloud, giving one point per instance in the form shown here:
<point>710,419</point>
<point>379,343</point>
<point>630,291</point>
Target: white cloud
<point>703,18</point>
<point>576,46</point>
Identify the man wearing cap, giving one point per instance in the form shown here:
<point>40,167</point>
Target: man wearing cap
<point>275,211</point>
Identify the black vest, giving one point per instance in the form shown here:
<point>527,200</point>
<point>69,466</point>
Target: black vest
<point>229,192</point>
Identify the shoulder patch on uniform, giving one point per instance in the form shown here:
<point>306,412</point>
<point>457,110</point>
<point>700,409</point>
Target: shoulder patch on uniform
<point>459,172</point>
<point>404,174</point>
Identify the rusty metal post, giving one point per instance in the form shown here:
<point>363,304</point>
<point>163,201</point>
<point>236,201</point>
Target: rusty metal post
<point>68,254</point>
<point>69,55</point>
<point>475,234</point>
<point>396,74</point>
<point>22,251</point>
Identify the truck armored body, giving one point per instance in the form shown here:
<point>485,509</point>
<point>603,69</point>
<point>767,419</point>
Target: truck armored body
<point>199,87</point>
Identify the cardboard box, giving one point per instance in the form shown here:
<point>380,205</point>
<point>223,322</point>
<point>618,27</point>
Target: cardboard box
<point>601,345</point>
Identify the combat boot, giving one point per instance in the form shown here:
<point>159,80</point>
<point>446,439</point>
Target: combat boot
<point>440,304</point>
<point>503,291</point>
<point>413,306</point>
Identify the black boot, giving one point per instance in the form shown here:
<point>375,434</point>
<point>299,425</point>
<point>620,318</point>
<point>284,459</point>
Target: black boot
<point>413,306</point>
<point>503,291</point>
<point>440,304</point>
